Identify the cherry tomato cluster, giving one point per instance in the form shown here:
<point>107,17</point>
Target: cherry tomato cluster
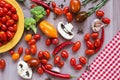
<point>79,66</point>
<point>100,14</point>
<point>8,22</point>
<point>2,64</point>
<point>92,45</point>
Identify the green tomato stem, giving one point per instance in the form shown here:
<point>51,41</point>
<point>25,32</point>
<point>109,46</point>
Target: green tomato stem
<point>85,2</point>
<point>33,28</point>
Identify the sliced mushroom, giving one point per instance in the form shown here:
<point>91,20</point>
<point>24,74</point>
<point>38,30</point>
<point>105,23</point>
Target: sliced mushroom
<point>65,30</point>
<point>24,70</point>
<point>97,24</point>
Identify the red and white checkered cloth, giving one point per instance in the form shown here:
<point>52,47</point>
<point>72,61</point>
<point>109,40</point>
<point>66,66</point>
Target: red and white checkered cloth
<point>107,64</point>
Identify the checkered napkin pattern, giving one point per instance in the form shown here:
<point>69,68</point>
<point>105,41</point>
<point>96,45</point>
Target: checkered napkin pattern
<point>107,64</point>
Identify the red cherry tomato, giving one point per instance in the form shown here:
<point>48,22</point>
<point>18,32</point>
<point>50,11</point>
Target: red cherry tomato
<point>95,35</point>
<point>99,13</point>
<point>61,64</point>
<point>9,34</point>
<point>66,10</point>
<point>37,36</point>
<point>78,67</point>
<point>15,27</point>
<point>89,52</point>
<point>13,10</point>
<point>48,42</point>
<point>83,60</point>
<point>27,51</point>
<point>53,4</point>
<point>90,44</point>
<point>69,17</point>
<point>46,55</point>
<point>12,29</point>
<point>1,12</point>
<point>87,37</point>
<point>9,13</point>
<point>44,61</point>
<point>47,12</point>
<point>76,46</point>
<point>97,42</point>
<point>4,27</point>
<point>11,52</point>
<point>3,19</point>
<point>2,3</point>
<point>57,11</point>
<point>15,17</point>
<point>5,10</point>
<point>8,6</point>
<point>106,20</point>
<point>33,49</point>
<point>48,66</point>
<point>40,54</point>
<point>3,36</point>
<point>10,22</point>
<point>64,54</point>
<point>55,41</point>
<point>57,60</point>
<point>73,62</point>
<point>2,64</point>
<point>40,70</point>
<point>32,42</point>
<point>20,50</point>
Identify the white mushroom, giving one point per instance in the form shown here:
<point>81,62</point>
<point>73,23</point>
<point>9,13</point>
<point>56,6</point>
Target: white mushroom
<point>24,70</point>
<point>97,24</point>
<point>65,30</point>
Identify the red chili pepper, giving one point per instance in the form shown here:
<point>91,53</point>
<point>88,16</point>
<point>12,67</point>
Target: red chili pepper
<point>56,74</point>
<point>101,40</point>
<point>40,2</point>
<point>61,46</point>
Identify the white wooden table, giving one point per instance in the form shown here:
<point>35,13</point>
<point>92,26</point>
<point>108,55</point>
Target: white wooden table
<point>112,11</point>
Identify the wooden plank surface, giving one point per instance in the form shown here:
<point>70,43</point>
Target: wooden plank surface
<point>112,11</point>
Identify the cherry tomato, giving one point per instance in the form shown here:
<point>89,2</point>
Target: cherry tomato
<point>28,37</point>
<point>10,22</point>
<point>33,5</point>
<point>9,34</point>
<point>44,61</point>
<point>4,27</point>
<point>87,37</point>
<point>12,29</point>
<point>55,41</point>
<point>57,11</point>
<point>8,6</point>
<point>61,64</point>
<point>40,54</point>
<point>69,17</point>
<point>9,13</point>
<point>3,19</point>
<point>33,62</point>
<point>3,36</point>
<point>13,10</point>
<point>7,17</point>
<point>78,67</point>
<point>11,52</point>
<point>66,10</point>
<point>97,42</point>
<point>48,42</point>
<point>27,51</point>
<point>27,57</point>
<point>1,44</point>
<point>106,20</point>
<point>95,35</point>
<point>47,12</point>
<point>76,46</point>
<point>15,17</point>
<point>73,62</point>
<point>99,13</point>
<point>48,66</point>
<point>15,27</point>
<point>83,60</point>
<point>90,44</point>
<point>57,60</point>
<point>2,3</point>
<point>33,49</point>
<point>89,51</point>
<point>1,12</point>
<point>40,70</point>
<point>2,64</point>
<point>53,4</point>
<point>64,54</point>
<point>5,10</point>
<point>37,36</point>
<point>20,50</point>
<point>46,55</point>
<point>15,56</point>
<point>32,42</point>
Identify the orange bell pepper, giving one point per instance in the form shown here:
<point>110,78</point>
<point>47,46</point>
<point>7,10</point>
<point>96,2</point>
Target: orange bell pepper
<point>48,29</point>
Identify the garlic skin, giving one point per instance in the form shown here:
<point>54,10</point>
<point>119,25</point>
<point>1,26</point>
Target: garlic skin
<point>65,30</point>
<point>24,70</point>
<point>97,24</point>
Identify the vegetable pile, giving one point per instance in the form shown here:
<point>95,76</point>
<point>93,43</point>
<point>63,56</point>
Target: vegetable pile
<point>40,11</point>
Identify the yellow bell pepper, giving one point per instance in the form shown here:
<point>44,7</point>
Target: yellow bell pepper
<point>48,29</point>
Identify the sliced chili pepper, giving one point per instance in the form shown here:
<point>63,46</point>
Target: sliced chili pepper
<point>61,46</point>
<point>101,40</point>
<point>56,74</point>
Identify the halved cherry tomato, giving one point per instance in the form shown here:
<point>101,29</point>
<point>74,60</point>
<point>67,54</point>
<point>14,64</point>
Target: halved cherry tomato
<point>46,55</point>
<point>64,54</point>
<point>83,60</point>
<point>48,66</point>
<point>95,35</point>
<point>97,42</point>
<point>76,46</point>
<point>87,37</point>
<point>33,49</point>
<point>78,67</point>
<point>48,42</point>
<point>73,62</point>
<point>90,44</point>
<point>89,51</point>
<point>28,37</point>
<point>66,10</point>
<point>40,70</point>
<point>57,60</point>
<point>69,17</point>
<point>15,56</point>
<point>27,57</point>
<point>20,50</point>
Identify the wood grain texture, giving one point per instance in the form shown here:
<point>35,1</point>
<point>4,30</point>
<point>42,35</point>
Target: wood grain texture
<point>112,11</point>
